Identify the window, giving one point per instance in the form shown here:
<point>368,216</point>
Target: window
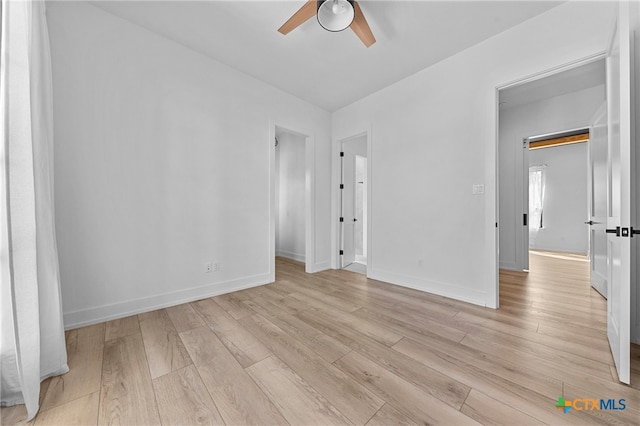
<point>536,196</point>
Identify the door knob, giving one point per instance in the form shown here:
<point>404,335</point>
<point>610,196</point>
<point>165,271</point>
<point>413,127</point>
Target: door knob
<point>589,222</point>
<point>613,231</point>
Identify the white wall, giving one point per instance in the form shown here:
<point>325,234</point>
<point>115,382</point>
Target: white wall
<point>290,196</point>
<point>162,163</point>
<point>559,113</point>
<point>433,136</point>
<point>565,199</point>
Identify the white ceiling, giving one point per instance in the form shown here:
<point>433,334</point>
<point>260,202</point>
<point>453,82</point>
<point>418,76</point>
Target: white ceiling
<point>330,70</point>
<point>579,78</point>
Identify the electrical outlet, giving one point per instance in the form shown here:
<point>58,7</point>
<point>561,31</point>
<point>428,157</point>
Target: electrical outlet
<point>216,267</point>
<point>208,267</point>
<point>420,262</point>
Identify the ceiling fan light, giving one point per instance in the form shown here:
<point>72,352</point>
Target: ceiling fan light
<point>335,15</point>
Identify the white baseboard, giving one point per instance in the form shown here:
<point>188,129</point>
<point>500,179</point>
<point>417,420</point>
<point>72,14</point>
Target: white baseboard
<point>319,267</point>
<point>290,255</point>
<point>312,268</point>
<point>509,265</point>
<point>441,289</point>
<point>361,259</point>
<point>131,307</point>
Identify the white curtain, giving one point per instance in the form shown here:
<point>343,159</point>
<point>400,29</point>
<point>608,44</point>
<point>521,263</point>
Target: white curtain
<point>536,197</point>
<point>33,346</point>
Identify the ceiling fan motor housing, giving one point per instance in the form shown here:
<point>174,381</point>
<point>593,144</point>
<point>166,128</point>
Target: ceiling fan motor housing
<point>335,15</point>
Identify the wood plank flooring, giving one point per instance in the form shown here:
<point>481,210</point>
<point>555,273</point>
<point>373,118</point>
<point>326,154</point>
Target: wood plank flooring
<point>337,348</point>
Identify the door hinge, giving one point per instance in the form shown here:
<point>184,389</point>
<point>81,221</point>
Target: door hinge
<point>524,219</point>
<point>341,252</point>
<point>342,186</point>
<point>342,219</point>
<point>341,154</point>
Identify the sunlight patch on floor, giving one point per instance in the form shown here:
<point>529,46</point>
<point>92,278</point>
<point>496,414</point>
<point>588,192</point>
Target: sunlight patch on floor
<point>561,255</point>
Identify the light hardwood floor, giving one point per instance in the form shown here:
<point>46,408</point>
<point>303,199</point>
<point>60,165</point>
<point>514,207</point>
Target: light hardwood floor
<point>337,348</point>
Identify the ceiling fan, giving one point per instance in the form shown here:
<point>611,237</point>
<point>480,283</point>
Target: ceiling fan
<point>333,15</point>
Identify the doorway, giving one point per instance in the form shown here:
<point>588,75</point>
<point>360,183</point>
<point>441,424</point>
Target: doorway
<point>557,194</point>
<point>545,184</point>
<point>551,114</point>
<point>292,196</point>
<point>354,205</point>
<point>620,185</point>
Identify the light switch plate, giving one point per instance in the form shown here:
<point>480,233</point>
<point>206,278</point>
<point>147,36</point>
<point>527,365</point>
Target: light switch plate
<point>478,189</point>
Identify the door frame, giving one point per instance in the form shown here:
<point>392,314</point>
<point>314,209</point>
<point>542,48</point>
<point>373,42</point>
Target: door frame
<point>337,197</point>
<point>520,169</point>
<point>310,196</point>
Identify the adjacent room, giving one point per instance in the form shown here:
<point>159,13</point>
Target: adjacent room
<point>319,212</point>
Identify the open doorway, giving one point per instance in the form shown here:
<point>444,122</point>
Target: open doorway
<point>545,185</point>
<point>544,191</point>
<point>292,206</point>
<point>354,216</point>
<point>621,302</point>
<point>290,195</point>
<point>557,190</point>
<point>557,195</point>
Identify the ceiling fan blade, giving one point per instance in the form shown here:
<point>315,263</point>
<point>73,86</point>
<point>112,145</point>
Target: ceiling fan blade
<point>361,27</point>
<point>306,12</point>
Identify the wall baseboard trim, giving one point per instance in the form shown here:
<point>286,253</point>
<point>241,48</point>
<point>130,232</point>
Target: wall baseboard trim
<point>104,313</point>
<point>290,255</point>
<point>441,289</point>
<point>313,268</point>
<point>319,267</point>
<point>511,266</point>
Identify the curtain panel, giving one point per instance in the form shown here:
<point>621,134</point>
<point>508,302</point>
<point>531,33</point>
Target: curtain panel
<point>536,196</point>
<point>33,345</point>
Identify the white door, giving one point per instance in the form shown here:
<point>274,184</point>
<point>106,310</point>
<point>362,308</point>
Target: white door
<point>348,216</point>
<point>598,200</point>
<point>619,194</point>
